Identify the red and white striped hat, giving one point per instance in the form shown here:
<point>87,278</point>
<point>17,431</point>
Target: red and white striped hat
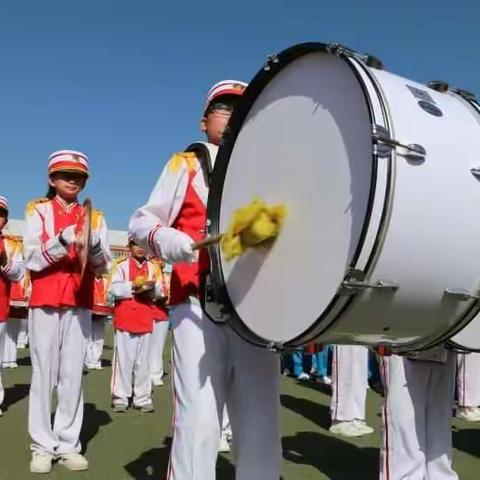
<point>68,161</point>
<point>4,203</point>
<point>225,87</point>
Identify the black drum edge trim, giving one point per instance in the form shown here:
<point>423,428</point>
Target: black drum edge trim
<point>254,89</point>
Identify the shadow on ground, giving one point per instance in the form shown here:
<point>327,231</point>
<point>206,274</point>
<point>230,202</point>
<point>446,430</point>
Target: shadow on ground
<point>15,394</point>
<point>153,464</point>
<point>335,458</point>
<point>93,419</point>
<point>315,412</point>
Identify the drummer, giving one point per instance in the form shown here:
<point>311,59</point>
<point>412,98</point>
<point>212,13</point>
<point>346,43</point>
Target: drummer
<point>59,310</point>
<point>211,364</point>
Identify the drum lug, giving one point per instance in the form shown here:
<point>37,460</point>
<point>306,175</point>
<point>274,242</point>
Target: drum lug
<point>270,59</point>
<point>461,294</point>
<point>355,283</point>
<point>343,51</point>
<point>383,144</point>
<point>439,86</point>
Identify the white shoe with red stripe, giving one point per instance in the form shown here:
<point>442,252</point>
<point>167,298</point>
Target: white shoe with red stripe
<point>470,414</point>
<point>346,429</point>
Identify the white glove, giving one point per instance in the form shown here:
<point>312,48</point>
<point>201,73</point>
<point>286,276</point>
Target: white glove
<point>175,246</point>
<point>67,236</point>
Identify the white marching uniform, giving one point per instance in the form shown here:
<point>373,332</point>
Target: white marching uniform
<point>11,338</point>
<point>157,345</point>
<point>93,358</point>
<point>102,309</point>
<point>417,441</point>
<point>13,271</point>
<point>133,327</point>
<point>58,334</point>
<point>468,379</point>
<point>160,328</point>
<point>349,383</point>
<point>22,339</point>
<point>211,364</point>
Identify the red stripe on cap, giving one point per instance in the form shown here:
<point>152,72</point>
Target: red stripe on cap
<point>69,167</point>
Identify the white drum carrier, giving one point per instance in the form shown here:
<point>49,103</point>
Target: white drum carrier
<point>381,177</point>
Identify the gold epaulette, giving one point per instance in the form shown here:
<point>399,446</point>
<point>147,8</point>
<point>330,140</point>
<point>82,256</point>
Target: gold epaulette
<point>116,264</point>
<point>16,243</point>
<point>182,158</point>
<point>33,203</point>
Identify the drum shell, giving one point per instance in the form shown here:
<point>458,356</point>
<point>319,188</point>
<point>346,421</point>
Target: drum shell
<point>430,241</point>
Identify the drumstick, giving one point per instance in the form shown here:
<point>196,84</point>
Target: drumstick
<point>251,226</point>
<point>207,242</point>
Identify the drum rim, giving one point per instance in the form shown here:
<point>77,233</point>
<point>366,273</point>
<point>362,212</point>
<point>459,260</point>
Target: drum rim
<point>255,88</point>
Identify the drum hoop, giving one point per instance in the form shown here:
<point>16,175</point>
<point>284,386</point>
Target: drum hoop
<point>260,81</point>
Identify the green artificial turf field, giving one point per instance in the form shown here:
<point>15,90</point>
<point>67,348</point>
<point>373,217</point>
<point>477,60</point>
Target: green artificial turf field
<point>134,445</point>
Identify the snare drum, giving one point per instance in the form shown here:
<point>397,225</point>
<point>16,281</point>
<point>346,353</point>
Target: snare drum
<point>378,172</point>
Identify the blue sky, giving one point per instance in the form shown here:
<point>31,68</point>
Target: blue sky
<point>124,81</point>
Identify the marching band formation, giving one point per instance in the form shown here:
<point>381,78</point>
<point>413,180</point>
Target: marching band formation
<point>226,390</point>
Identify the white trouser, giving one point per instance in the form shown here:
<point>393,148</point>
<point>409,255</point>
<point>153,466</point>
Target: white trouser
<point>417,440</point>
<point>22,339</point>
<point>58,343</point>
<point>349,382</point>
<point>10,347</point>
<point>468,380</point>
<point>131,358</point>
<point>3,331</point>
<point>95,343</point>
<point>212,366</point>
<point>157,344</point>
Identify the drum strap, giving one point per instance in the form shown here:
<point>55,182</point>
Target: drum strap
<point>204,158</point>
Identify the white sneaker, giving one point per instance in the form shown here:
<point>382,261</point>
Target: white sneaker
<point>10,365</point>
<point>145,408</point>
<point>119,407</point>
<point>41,462</point>
<point>470,414</point>
<point>1,413</point>
<point>73,461</point>
<point>345,429</point>
<point>363,427</point>
<point>223,445</point>
<point>93,366</point>
<point>303,376</point>
<point>157,382</point>
<point>324,379</point>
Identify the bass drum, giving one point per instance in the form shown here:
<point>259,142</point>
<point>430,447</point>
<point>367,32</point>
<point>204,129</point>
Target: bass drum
<point>378,247</point>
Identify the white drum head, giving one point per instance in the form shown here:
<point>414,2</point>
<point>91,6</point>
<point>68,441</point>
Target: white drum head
<point>306,142</point>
